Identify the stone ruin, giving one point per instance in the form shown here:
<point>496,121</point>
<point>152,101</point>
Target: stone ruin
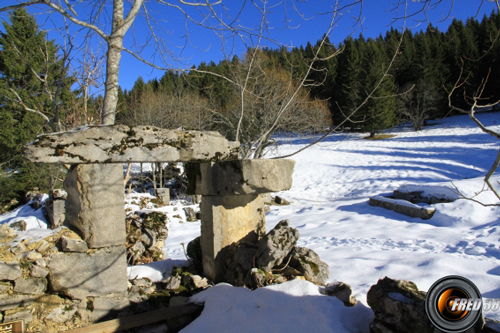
<point>92,266</point>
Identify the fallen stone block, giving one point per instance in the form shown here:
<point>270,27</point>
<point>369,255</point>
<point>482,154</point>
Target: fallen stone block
<point>79,275</point>
<point>124,144</point>
<point>240,177</point>
<point>403,207</point>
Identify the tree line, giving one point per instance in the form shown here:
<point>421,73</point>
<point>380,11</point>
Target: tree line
<point>244,97</point>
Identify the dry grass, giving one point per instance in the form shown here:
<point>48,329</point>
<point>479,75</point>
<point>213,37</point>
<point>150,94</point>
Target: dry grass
<point>380,137</point>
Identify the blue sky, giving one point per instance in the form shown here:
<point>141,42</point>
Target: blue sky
<point>204,45</point>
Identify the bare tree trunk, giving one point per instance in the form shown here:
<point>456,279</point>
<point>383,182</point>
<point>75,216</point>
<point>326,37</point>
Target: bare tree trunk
<point>112,71</point>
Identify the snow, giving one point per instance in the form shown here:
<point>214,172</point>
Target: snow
<point>332,184</point>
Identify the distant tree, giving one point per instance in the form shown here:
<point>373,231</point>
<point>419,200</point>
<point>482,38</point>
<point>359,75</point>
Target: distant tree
<point>417,103</point>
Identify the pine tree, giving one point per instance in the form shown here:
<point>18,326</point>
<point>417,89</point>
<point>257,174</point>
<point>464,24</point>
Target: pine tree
<point>26,59</point>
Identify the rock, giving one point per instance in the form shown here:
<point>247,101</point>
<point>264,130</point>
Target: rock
<point>108,306</point>
<point>136,251</point>
<point>137,297</point>
<point>178,300</point>
<point>13,315</point>
<point>194,251</point>
<point>4,287</point>
<point>39,272</point>
<point>148,237</point>
<point>62,314</point>
<point>55,212</point>
<point>340,290</point>
<point>6,232</point>
<point>398,306</point>
<point>89,187</point>
<point>199,282</point>
<point>36,201</point>
<point>142,283</point>
<point>190,214</point>
<point>238,177</point>
<point>33,255</point>
<point>8,302</point>
<point>18,249</point>
<point>73,245</point>
<point>281,201</point>
<point>257,278</point>
<point>244,255</point>
<point>40,262</point>
<point>124,144</point>
<point>403,207</point>
<point>35,286</point>
<point>164,195</point>
<point>310,265</point>
<point>44,246</point>
<point>10,270</point>
<point>172,282</point>
<point>19,225</point>
<point>58,194</point>
<point>80,275</point>
<point>276,245</point>
<point>267,198</point>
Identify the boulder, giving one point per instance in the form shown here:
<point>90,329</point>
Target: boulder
<point>276,245</point>
<point>308,263</point>
<point>124,144</point>
<point>398,306</point>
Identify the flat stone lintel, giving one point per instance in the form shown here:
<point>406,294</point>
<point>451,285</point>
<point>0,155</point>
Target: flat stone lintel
<point>240,177</point>
<point>124,144</point>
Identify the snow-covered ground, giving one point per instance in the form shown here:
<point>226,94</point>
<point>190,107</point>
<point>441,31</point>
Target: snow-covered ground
<point>333,181</point>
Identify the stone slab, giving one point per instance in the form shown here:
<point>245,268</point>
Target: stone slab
<point>226,220</point>
<point>123,144</point>
<point>240,177</point>
<point>79,275</point>
<point>403,207</point>
<point>95,203</point>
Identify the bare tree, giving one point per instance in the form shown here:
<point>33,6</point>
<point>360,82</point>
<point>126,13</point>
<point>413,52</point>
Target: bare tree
<point>417,102</point>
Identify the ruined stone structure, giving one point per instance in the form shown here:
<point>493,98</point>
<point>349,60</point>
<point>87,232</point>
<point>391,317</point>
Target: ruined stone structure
<point>231,208</point>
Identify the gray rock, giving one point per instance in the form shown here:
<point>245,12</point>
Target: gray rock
<point>342,291</point>
<point>18,249</point>
<point>35,286</point>
<point>39,272</point>
<point>142,283</point>
<point>276,245</point>
<point>137,250</point>
<point>137,297</point>
<point>281,201</point>
<point>6,232</point>
<point>41,263</point>
<point>240,177</point>
<point>10,270</point>
<point>172,282</point>
<point>164,195</point>
<point>61,314</point>
<point>56,212</point>
<point>32,255</point>
<point>257,278</point>
<point>89,187</point>
<point>190,214</point>
<point>44,246</point>
<point>8,302</point>
<point>108,306</point>
<point>402,313</point>
<point>307,262</point>
<point>403,207</point>
<point>79,275</point>
<point>19,225</point>
<point>178,300</point>
<point>148,237</point>
<point>123,144</point>
<point>19,315</point>
<point>4,287</point>
<point>73,245</point>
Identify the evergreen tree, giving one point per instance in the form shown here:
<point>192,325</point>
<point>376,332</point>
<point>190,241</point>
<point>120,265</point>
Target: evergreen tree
<point>27,59</point>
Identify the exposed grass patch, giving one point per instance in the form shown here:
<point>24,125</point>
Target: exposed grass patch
<point>380,137</point>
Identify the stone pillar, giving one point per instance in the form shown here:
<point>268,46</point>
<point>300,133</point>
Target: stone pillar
<point>231,208</point>
<point>95,203</point>
<point>225,220</point>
